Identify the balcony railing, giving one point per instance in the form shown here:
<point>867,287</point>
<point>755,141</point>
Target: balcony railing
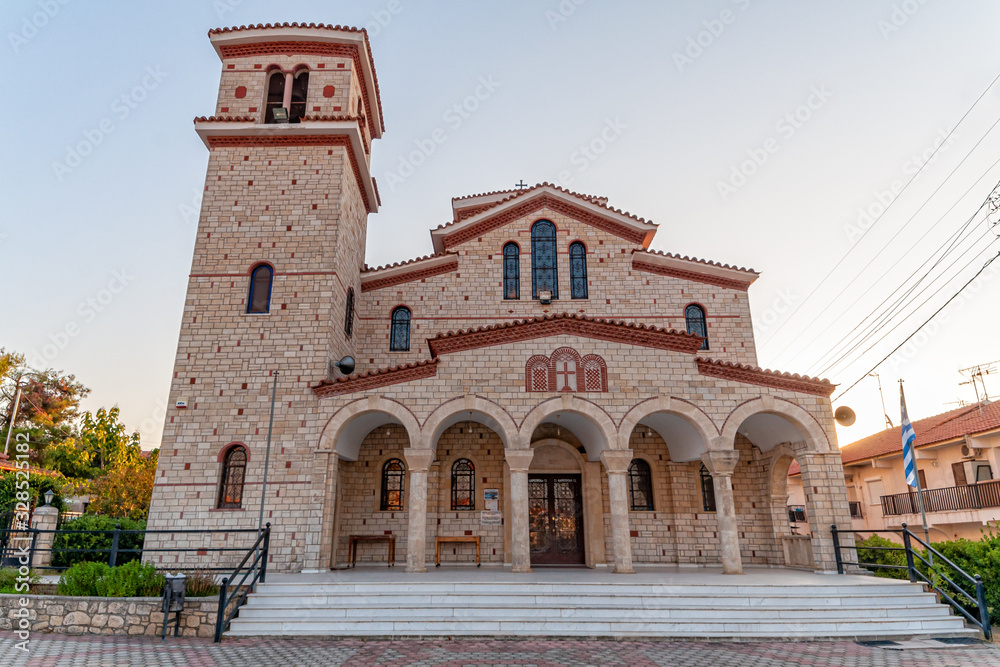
<point>968,497</point>
<point>856,510</point>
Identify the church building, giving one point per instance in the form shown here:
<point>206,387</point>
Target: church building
<point>543,389</point>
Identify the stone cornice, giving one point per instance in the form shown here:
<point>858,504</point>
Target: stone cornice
<point>381,377</point>
<point>761,377</point>
<point>688,268</point>
<point>408,272</point>
<point>575,325</point>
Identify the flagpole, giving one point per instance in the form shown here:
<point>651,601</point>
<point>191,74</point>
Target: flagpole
<point>916,476</point>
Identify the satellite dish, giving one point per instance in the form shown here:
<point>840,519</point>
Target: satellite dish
<point>844,416</point>
<point>345,365</point>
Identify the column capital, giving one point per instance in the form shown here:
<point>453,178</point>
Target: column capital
<point>616,461</point>
<point>519,460</point>
<point>418,460</point>
<point>721,463</point>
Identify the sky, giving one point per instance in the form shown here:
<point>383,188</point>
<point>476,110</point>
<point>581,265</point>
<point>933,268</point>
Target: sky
<point>775,135</point>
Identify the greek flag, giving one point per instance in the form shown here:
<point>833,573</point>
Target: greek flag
<point>909,436</point>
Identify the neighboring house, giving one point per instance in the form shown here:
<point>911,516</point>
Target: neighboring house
<point>958,459</point>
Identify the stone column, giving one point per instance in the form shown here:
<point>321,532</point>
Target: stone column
<point>616,464</point>
<point>418,461</point>
<point>518,461</point>
<point>287,99</point>
<point>45,518</point>
<point>721,464</point>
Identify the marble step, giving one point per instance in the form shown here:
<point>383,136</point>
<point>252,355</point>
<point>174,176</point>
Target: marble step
<point>444,612</point>
<point>601,627</point>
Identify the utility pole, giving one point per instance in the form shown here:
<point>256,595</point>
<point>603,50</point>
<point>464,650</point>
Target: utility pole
<point>885,413</point>
<point>267,452</point>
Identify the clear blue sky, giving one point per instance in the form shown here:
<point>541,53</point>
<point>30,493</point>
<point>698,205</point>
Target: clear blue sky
<point>99,245</point>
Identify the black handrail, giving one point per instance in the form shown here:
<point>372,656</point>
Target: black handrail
<point>259,569</point>
<point>916,576</point>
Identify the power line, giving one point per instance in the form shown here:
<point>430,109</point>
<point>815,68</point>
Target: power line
<point>894,236</point>
<point>907,339</point>
<point>882,214</point>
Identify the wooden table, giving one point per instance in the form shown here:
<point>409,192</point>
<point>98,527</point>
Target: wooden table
<point>454,538</point>
<point>388,539</point>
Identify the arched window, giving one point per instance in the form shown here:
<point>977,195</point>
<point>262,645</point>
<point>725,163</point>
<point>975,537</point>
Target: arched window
<point>275,95</point>
<point>463,485</point>
<point>694,317</point>
<point>640,486</point>
<point>234,468</point>
<point>511,271</point>
<point>300,89</point>
<point>543,259</point>
<point>393,474</point>
<point>577,270</point>
<point>349,313</point>
<point>707,489</point>
<point>259,300</point>
<point>399,336</point>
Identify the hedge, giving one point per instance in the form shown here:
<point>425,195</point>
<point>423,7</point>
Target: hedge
<point>66,538</point>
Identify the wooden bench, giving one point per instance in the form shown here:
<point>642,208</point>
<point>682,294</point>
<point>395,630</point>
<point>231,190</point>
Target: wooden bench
<point>454,538</point>
<point>388,539</point>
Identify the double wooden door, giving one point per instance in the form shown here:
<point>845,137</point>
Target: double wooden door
<point>555,511</point>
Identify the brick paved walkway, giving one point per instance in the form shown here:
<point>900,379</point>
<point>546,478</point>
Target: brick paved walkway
<point>56,651</point>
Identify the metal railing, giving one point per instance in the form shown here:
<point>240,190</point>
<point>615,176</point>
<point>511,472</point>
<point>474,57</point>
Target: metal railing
<point>856,512</point>
<point>936,581</point>
<point>257,567</point>
<point>21,547</point>
<point>975,496</point>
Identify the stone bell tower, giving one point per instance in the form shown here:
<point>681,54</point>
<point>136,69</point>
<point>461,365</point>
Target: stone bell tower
<point>278,256</point>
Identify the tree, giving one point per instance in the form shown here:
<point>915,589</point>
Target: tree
<point>126,489</point>
<point>107,440</point>
<point>69,458</point>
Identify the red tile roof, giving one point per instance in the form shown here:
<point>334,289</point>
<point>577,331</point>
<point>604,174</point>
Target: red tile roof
<point>371,269</point>
<point>706,262</point>
<point>765,377</point>
<point>944,427</point>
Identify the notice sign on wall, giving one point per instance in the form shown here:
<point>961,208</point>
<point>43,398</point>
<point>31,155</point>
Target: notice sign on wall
<point>492,499</point>
<point>490,518</point>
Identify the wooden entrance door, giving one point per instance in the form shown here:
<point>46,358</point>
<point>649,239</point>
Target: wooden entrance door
<point>555,511</point>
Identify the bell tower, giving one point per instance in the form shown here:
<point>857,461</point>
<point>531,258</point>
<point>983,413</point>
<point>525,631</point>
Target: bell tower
<point>277,263</point>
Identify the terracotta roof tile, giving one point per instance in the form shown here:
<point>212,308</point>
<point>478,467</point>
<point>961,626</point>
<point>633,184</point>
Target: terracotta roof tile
<point>563,316</point>
<point>317,26</point>
<point>516,190</point>
<point>371,269</point>
<point>518,193</point>
<point>706,262</point>
<point>944,427</point>
<point>746,372</point>
<point>224,119</point>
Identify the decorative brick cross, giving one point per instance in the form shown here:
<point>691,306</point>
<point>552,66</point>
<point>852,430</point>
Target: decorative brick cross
<point>567,373</point>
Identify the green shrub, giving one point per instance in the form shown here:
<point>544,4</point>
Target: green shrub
<point>9,582</point>
<point>81,579</point>
<point>67,539</point>
<point>981,557</point>
<point>134,579</point>
<point>201,584</point>
<point>876,556</point>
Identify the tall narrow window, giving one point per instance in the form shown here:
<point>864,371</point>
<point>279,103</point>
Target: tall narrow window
<point>707,490</point>
<point>234,468</point>
<point>694,316</point>
<point>511,271</point>
<point>259,300</point>
<point>349,313</point>
<point>463,485</point>
<point>640,486</point>
<point>393,475</point>
<point>577,270</point>
<point>275,95</point>
<point>399,336</point>
<point>543,259</point>
<point>300,89</point>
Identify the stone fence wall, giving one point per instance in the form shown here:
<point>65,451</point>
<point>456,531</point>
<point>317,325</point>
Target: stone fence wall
<point>106,616</point>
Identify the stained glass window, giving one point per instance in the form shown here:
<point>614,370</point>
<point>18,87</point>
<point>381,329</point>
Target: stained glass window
<point>463,485</point>
<point>399,336</point>
<point>511,271</point>
<point>393,474</point>
<point>543,259</point>
<point>234,468</point>
<point>640,486</point>
<point>578,270</point>
<point>694,316</point>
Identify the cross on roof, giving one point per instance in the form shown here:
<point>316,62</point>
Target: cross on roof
<point>521,184</point>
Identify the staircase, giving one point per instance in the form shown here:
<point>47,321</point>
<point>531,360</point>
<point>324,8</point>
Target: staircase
<point>829,606</point>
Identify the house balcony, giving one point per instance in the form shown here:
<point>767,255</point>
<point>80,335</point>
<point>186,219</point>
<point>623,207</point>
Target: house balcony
<point>981,495</point>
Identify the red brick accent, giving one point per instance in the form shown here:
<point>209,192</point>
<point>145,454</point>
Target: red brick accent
<point>801,384</point>
<point>311,49</point>
<point>565,323</point>
<point>695,276</point>
<point>549,365</point>
<point>377,378</point>
<point>328,91</point>
<point>301,140</point>
<point>545,201</point>
<point>409,276</point>
<point>241,92</point>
